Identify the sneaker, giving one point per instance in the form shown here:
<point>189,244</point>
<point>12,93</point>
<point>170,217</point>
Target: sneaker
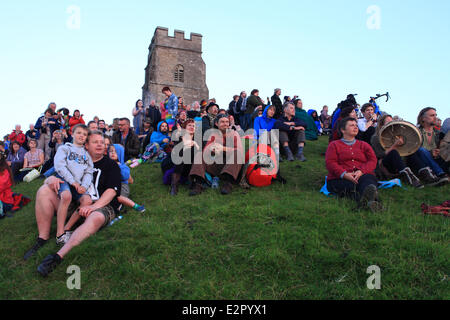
<point>39,244</point>
<point>49,264</point>
<point>140,209</point>
<point>196,189</point>
<point>407,176</point>
<point>430,179</point>
<point>443,179</point>
<point>63,239</point>
<point>226,188</point>
<point>300,157</point>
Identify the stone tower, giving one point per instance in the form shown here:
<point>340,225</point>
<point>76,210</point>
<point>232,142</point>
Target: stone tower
<point>177,63</point>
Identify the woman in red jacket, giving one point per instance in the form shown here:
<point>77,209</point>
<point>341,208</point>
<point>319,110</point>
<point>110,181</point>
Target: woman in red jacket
<point>351,167</point>
<point>76,119</point>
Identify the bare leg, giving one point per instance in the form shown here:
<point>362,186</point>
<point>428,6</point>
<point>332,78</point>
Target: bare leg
<point>126,202</point>
<point>92,224</point>
<point>46,204</point>
<point>84,201</point>
<point>61,215</point>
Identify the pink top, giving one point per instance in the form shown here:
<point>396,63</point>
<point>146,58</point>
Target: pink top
<point>34,158</point>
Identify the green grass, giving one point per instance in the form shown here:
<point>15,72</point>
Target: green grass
<point>279,242</point>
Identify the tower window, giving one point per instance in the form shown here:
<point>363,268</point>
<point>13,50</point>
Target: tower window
<point>179,73</point>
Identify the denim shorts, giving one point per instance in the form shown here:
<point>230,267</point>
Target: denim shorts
<point>67,187</point>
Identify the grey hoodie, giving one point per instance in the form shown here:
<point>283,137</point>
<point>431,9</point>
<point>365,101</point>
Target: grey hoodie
<point>74,164</point>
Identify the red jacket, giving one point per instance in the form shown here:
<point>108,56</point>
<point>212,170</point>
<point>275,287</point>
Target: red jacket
<point>6,194</point>
<point>340,158</point>
<point>73,122</point>
<point>20,137</point>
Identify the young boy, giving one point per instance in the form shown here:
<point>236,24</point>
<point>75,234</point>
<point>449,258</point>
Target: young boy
<point>74,165</point>
<point>116,154</point>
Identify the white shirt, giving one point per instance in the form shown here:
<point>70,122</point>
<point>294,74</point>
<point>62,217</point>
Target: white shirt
<point>362,124</point>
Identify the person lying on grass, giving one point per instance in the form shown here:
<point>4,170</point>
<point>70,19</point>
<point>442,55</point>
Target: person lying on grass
<point>106,190</point>
<point>351,167</point>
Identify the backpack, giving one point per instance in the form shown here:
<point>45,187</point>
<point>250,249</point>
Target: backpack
<point>263,166</point>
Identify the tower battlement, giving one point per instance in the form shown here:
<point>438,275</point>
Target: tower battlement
<point>178,41</point>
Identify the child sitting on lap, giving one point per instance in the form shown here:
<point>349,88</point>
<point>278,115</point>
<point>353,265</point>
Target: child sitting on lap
<point>74,165</point>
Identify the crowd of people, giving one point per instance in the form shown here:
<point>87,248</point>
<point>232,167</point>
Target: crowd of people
<point>87,166</point>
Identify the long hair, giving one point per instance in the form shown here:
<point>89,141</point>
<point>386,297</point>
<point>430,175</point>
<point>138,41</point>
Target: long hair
<point>11,149</point>
<point>381,123</point>
<point>422,114</point>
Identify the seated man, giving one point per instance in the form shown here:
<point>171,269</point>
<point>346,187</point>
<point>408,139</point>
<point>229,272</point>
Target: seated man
<point>351,167</point>
<point>292,131</point>
<point>368,123</point>
<point>107,178</point>
<point>209,119</point>
<point>128,139</point>
<point>430,150</point>
<point>222,157</point>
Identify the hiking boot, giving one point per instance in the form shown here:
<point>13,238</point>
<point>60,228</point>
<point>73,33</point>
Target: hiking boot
<point>369,195</point>
<point>39,244</point>
<point>290,156</point>
<point>174,184</point>
<point>300,157</point>
<point>369,199</point>
<point>196,189</point>
<point>227,187</point>
<point>49,264</point>
<point>407,176</point>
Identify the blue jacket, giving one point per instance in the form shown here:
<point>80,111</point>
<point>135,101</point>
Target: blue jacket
<point>124,169</point>
<point>158,137</point>
<point>317,122</point>
<point>53,125</point>
<point>18,157</point>
<point>263,123</point>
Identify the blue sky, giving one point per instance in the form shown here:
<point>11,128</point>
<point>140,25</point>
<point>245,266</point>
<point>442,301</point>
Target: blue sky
<point>319,50</point>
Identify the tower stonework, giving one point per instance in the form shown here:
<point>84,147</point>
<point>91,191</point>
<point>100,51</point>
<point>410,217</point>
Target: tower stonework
<point>177,63</point>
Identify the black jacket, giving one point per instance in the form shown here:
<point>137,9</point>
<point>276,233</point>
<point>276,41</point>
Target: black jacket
<point>252,103</point>
<point>154,115</point>
<point>280,124</point>
<point>276,102</point>
<point>132,144</point>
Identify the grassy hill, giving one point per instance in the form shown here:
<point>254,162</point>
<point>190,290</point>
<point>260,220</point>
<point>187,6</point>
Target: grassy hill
<point>280,242</point>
